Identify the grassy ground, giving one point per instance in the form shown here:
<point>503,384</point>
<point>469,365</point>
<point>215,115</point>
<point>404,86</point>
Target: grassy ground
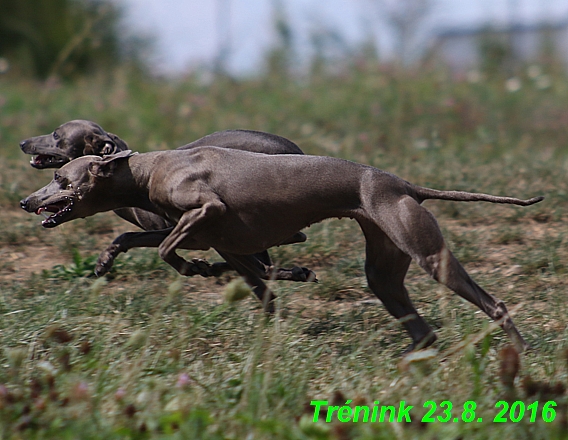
<point>144,353</point>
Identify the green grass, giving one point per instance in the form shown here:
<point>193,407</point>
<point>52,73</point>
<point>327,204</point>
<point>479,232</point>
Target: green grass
<point>143,353</point>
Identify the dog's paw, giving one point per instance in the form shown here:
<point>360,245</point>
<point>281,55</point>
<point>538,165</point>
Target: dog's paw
<point>302,274</point>
<point>197,266</point>
<point>106,260</point>
<point>104,264</point>
<point>202,267</point>
<point>425,342</point>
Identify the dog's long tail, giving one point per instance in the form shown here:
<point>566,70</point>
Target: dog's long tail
<point>463,196</point>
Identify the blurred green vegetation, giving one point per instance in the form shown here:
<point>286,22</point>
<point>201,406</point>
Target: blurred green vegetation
<point>65,38</point>
<point>363,107</point>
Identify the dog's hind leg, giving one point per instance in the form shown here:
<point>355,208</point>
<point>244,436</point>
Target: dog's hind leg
<point>415,231</point>
<point>267,271</point>
<point>247,267</point>
<point>386,267</point>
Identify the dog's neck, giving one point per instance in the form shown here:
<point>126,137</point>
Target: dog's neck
<point>130,184</point>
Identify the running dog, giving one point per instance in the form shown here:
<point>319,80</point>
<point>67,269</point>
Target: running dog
<point>241,203</point>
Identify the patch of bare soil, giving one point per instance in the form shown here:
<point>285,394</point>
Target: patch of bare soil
<point>18,263</point>
<point>32,249</point>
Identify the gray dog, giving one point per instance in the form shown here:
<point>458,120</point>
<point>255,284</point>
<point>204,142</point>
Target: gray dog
<point>241,203</point>
<point>80,138</point>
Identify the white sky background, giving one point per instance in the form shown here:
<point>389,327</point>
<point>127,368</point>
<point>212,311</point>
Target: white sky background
<point>186,32</point>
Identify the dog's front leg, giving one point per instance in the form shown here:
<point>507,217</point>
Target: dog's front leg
<point>153,239</point>
<point>189,223</point>
<point>125,242</point>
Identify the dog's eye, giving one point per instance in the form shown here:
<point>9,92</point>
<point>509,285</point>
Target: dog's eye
<point>55,135</point>
<point>62,181</point>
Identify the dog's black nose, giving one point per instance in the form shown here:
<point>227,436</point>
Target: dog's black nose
<point>23,143</point>
<point>24,203</point>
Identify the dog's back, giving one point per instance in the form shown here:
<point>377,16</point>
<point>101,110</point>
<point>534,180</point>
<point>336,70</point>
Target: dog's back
<point>247,140</point>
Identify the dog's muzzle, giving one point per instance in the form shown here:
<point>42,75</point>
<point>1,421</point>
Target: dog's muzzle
<point>24,204</point>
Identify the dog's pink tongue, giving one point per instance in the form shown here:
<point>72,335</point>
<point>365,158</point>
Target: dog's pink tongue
<point>36,160</point>
<point>40,210</point>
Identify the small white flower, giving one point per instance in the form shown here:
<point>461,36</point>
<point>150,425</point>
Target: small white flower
<point>534,71</point>
<point>513,84</point>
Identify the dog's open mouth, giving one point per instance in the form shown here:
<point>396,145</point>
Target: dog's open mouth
<point>47,161</point>
<point>60,209</point>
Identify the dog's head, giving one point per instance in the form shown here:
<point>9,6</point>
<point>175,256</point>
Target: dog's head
<point>79,189</point>
<point>69,141</point>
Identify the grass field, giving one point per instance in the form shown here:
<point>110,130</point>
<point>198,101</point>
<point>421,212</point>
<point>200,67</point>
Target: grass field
<point>144,353</point>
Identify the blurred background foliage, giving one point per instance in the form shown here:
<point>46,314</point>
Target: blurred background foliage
<point>66,38</point>
<point>74,58</point>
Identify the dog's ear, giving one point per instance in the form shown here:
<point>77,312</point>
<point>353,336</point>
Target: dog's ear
<point>101,145</point>
<point>103,168</point>
<point>119,143</point>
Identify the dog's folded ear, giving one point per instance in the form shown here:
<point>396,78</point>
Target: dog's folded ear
<point>100,145</point>
<point>102,168</point>
<point>120,145</point>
